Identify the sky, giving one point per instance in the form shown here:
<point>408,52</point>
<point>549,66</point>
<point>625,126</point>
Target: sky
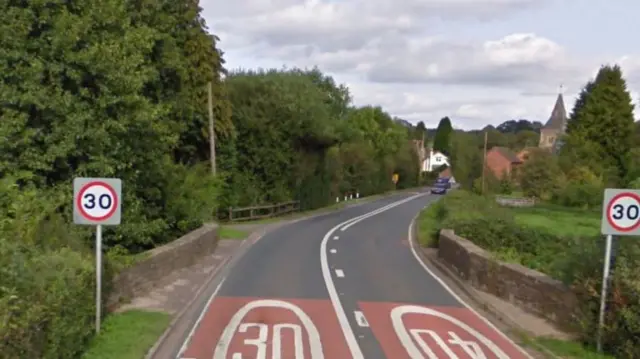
<point>477,61</point>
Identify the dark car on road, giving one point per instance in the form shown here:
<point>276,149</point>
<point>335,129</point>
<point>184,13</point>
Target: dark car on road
<point>440,188</point>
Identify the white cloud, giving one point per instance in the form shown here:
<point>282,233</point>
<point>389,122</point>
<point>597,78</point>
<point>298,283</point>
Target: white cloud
<point>398,54</point>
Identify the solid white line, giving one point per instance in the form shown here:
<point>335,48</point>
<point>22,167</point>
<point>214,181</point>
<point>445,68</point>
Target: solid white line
<point>349,336</point>
<point>380,210</point>
<point>339,273</point>
<point>446,287</point>
<point>360,319</point>
<point>197,323</point>
<point>333,250</point>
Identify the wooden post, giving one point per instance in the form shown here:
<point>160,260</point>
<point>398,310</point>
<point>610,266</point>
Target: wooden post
<point>212,133</point>
<point>230,213</point>
<point>484,160</point>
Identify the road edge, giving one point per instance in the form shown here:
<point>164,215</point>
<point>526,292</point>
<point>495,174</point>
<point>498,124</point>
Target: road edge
<point>239,252</point>
<point>428,265</point>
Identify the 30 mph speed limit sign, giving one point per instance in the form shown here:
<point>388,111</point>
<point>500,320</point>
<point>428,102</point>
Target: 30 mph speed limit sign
<point>621,212</point>
<point>97,201</point>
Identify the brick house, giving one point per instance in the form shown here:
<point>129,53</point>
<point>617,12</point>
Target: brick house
<point>501,160</point>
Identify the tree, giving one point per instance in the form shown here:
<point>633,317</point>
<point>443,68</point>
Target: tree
<point>603,119</point>
<point>420,132</point>
<point>539,175</point>
<point>443,136</point>
<point>465,158</point>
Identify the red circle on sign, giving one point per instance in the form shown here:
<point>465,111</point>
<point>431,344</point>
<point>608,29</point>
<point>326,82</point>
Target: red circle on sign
<point>610,206</point>
<point>84,189</point>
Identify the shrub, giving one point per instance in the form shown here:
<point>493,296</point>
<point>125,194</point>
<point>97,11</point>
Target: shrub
<point>46,278</point>
<point>575,261</point>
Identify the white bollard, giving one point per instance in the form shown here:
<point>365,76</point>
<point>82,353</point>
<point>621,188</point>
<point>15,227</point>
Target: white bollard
<point>337,199</point>
<point>357,195</point>
<point>345,198</point>
<point>351,196</point>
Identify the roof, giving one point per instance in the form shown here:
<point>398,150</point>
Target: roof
<point>507,154</point>
<point>445,173</point>
<point>558,118</point>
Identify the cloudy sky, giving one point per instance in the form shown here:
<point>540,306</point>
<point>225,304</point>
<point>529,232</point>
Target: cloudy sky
<point>477,61</point>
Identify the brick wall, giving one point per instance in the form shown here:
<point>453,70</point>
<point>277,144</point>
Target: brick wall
<point>143,276</point>
<point>524,287</point>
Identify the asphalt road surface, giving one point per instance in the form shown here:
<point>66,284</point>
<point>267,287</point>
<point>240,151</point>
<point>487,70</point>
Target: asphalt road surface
<point>340,286</point>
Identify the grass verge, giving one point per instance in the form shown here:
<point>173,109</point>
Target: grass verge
<point>559,349</point>
<point>127,335</point>
<point>562,221</point>
<point>226,232</point>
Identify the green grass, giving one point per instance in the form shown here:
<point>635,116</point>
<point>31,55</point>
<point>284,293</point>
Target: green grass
<point>127,335</point>
<point>226,232</point>
<point>427,226</point>
<point>560,220</point>
<point>567,349</point>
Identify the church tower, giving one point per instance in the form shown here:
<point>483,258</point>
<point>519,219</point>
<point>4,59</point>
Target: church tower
<point>555,126</point>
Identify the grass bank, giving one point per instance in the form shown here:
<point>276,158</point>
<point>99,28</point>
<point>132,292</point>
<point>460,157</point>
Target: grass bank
<point>562,242</point>
<point>127,335</point>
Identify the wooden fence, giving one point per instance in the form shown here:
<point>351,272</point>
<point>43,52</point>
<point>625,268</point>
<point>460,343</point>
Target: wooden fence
<point>262,211</point>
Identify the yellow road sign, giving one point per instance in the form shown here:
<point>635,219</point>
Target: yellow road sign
<point>395,178</point>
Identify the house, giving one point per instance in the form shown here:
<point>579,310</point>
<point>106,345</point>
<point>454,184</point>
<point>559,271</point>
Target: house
<point>429,160</point>
<point>501,160</point>
<point>555,127</point>
<point>524,153</point>
<point>434,160</point>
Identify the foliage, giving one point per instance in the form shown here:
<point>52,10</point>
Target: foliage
<point>602,121</point>
<point>466,158</point>
<point>443,136</point>
<point>540,175</point>
<point>513,236</point>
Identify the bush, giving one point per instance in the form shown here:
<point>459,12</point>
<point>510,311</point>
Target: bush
<point>575,261</point>
<point>47,278</point>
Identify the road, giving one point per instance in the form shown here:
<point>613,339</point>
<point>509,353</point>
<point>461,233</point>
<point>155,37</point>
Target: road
<point>339,286</point>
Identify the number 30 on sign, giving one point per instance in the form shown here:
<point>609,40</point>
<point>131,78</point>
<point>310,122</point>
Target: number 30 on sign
<point>97,201</point>
<point>621,212</point>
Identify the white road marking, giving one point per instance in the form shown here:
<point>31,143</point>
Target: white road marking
<point>412,349</point>
<point>378,211</point>
<point>350,338</point>
<point>197,323</point>
<point>360,319</point>
<point>235,324</point>
<point>339,273</point>
<point>333,250</point>
<point>335,238</point>
<point>454,295</point>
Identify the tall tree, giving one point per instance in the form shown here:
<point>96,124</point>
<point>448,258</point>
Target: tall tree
<point>420,131</point>
<point>603,120</point>
<point>443,136</point>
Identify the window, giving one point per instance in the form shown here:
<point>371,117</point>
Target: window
<point>439,159</point>
<point>551,139</point>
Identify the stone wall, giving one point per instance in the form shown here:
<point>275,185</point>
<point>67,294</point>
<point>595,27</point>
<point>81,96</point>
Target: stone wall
<point>528,289</point>
<point>159,262</point>
<point>515,202</point>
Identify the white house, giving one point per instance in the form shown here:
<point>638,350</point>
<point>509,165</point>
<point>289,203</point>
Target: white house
<point>434,160</point>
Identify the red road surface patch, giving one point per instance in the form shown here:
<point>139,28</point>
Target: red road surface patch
<point>267,322</point>
<point>433,336</point>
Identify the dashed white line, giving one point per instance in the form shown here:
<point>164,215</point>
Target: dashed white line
<point>350,338</point>
<point>339,273</point>
<point>360,319</point>
<point>335,238</point>
<point>333,250</point>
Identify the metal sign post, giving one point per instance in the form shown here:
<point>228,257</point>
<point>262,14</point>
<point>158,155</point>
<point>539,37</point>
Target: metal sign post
<point>620,217</point>
<point>97,202</point>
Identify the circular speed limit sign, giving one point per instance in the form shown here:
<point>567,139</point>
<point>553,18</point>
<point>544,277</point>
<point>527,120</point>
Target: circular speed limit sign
<point>97,201</point>
<point>623,212</point>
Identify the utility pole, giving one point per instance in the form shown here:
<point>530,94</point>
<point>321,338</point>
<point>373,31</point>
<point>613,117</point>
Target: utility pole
<point>484,160</point>
<point>212,134</point>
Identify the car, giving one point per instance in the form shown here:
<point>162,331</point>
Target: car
<point>439,188</point>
